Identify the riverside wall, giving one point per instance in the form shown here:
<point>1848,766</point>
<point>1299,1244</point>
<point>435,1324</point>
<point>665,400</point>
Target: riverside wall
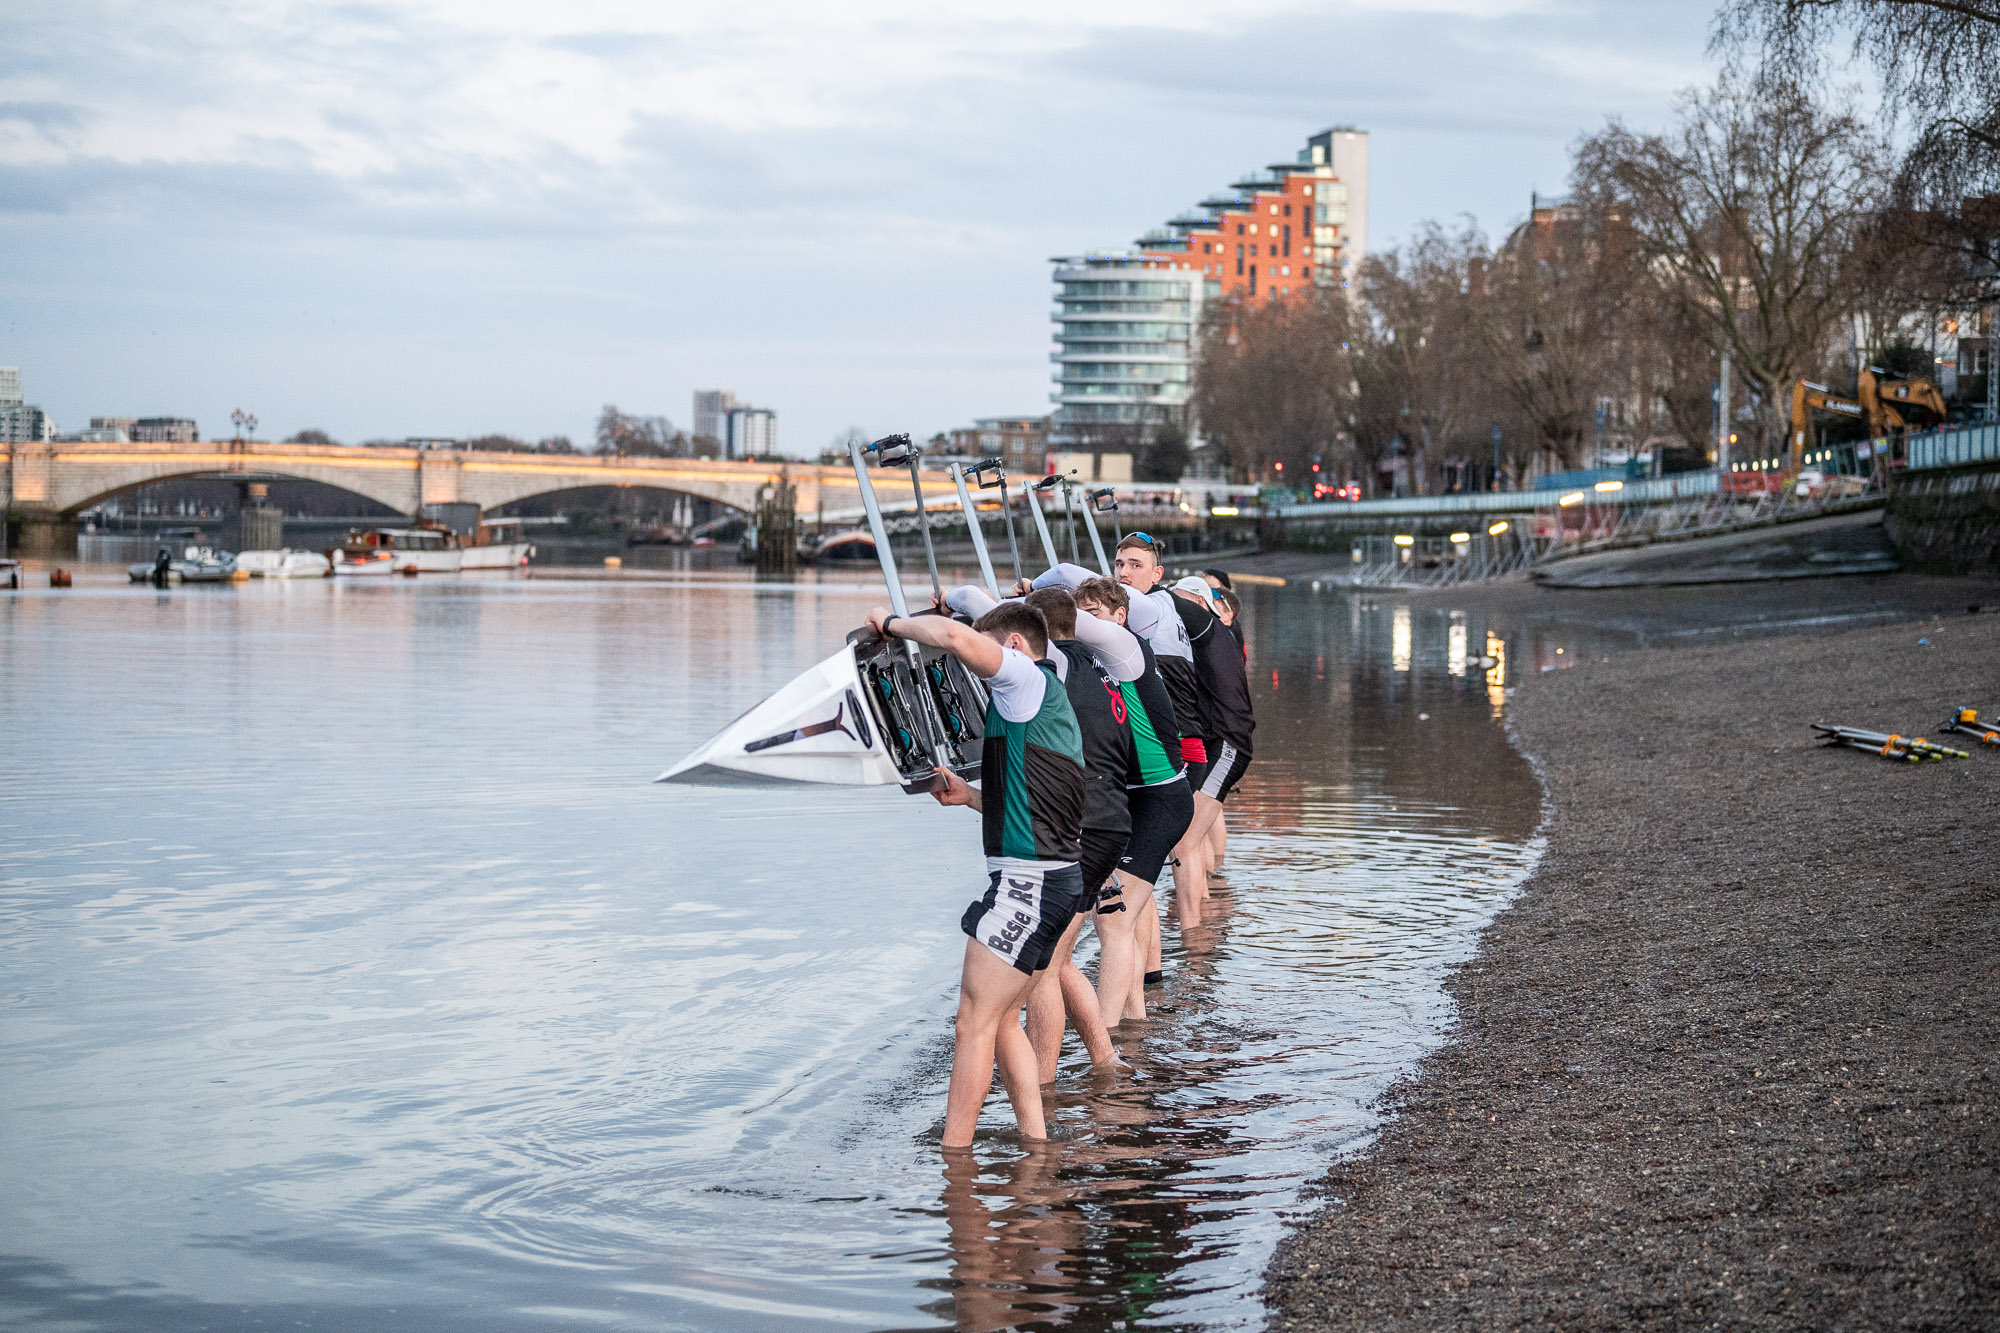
<point>1947,520</point>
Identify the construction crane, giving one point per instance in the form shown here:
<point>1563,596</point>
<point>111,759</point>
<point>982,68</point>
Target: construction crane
<point>1879,400</point>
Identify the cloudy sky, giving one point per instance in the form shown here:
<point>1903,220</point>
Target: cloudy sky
<point>450,217</point>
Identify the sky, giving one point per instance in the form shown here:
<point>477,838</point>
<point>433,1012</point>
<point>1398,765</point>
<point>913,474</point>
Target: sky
<point>456,217</point>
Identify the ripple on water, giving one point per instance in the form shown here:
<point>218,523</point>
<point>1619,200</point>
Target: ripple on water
<point>405,990</point>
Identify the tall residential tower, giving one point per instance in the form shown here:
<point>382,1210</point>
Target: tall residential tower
<point>1127,323</point>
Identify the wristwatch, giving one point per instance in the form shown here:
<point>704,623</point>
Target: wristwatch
<point>885,624</point>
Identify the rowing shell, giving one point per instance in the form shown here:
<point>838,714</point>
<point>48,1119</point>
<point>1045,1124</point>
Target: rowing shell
<point>861,718</point>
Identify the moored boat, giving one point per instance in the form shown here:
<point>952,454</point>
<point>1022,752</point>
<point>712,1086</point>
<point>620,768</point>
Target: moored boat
<point>185,564</point>
<point>283,564</point>
<point>422,551</point>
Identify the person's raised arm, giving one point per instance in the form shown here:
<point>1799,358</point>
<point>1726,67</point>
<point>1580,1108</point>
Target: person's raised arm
<point>1142,614</point>
<point>1115,647</point>
<point>1064,575</point>
<point>970,600</point>
<point>980,654</point>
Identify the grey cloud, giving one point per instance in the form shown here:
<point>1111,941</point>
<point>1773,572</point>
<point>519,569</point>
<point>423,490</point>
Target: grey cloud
<point>45,117</point>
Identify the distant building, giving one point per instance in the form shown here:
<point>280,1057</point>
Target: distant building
<point>124,425</point>
<point>164,430</point>
<point>1127,322</point>
<point>20,423</point>
<point>711,410</point>
<point>1020,443</point>
<point>749,431</point>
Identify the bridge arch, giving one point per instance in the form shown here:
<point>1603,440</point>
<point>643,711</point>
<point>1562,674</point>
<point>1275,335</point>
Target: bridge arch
<point>390,499</point>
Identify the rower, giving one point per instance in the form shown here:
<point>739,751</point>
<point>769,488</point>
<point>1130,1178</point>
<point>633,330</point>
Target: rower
<point>1031,805</point>
<point>1091,656</point>
<point>1156,791</point>
<point>1229,720</point>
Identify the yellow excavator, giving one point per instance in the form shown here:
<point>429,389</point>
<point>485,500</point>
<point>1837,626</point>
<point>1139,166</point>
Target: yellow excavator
<point>1879,399</point>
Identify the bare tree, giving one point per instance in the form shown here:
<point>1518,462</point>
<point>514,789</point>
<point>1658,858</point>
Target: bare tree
<point>311,436</point>
<point>1271,382</point>
<point>644,437</point>
<point>1751,210</point>
<point>1420,366</point>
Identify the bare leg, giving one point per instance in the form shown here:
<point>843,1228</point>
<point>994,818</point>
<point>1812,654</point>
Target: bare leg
<point>990,994</point>
<point>1017,1073</point>
<point>1118,956</point>
<point>1146,935</point>
<point>1191,875</point>
<point>1218,843</point>
<point>1059,987</point>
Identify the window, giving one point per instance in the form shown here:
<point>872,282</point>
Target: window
<point>1288,213</point>
<point>1239,261</point>
<point>1274,210</point>
<point>1239,229</point>
<point>1253,279</point>
<point>1309,190</point>
<point>1253,229</point>
<point>1288,239</point>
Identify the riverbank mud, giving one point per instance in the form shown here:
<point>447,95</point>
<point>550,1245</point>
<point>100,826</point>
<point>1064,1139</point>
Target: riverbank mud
<point>1728,1059</point>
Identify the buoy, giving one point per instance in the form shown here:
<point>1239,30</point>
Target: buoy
<point>408,571</point>
<point>239,576</point>
<point>613,562</point>
<point>59,578</point>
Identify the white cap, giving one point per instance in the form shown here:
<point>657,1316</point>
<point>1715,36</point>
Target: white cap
<point>1195,584</point>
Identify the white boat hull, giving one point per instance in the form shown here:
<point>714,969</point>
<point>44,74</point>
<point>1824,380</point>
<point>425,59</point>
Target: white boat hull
<point>500,555</point>
<point>765,743</point>
<point>283,564</point>
<point>379,565</point>
<point>861,718</point>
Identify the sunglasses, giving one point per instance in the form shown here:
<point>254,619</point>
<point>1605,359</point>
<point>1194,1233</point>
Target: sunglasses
<point>1147,538</point>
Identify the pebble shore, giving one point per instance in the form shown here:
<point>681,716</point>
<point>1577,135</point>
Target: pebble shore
<point>1732,1058</point>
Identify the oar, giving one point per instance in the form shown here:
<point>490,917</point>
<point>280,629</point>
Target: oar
<point>972,526</point>
<point>1886,741</point>
<point>1836,742</point>
<point>1967,720</point>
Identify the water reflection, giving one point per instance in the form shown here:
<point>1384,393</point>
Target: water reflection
<point>370,983</point>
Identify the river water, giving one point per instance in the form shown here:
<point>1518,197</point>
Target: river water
<point>353,975</point>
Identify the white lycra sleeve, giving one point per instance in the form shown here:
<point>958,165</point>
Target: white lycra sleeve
<point>1115,647</point>
<point>970,600</point>
<point>1064,575</point>
<point>1017,687</point>
<point>1142,613</point>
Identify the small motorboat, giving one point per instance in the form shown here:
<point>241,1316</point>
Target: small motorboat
<point>284,564</point>
<point>192,564</point>
<point>423,551</point>
<point>10,574</point>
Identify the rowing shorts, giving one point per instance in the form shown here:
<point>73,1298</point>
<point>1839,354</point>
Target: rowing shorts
<point>1224,772</point>
<point>1101,850</point>
<point>1027,907</point>
<point>1160,815</point>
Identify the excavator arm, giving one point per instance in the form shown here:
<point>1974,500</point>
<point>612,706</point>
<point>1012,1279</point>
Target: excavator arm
<point>1807,398</point>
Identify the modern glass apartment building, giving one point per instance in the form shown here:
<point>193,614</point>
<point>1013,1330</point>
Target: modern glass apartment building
<point>1124,342</point>
<point>1127,323</point>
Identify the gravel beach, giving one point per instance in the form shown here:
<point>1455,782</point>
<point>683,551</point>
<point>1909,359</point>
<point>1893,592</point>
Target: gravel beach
<point>1732,1059</point>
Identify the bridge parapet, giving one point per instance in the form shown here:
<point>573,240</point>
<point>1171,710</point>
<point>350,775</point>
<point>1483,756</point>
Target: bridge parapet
<point>57,480</point>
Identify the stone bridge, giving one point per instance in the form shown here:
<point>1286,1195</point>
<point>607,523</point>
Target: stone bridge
<point>49,483</point>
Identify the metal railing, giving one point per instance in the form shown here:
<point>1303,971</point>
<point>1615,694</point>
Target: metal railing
<point>1943,448</point>
<point>1655,490</point>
